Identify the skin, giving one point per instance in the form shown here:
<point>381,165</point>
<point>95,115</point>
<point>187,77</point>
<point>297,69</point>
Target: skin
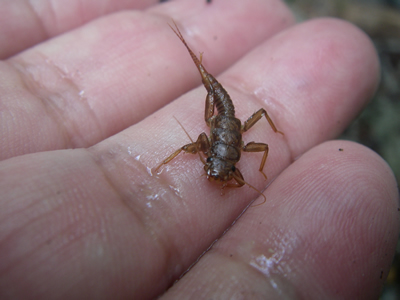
<point>83,216</point>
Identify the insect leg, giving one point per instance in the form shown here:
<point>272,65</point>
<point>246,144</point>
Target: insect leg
<point>254,118</point>
<point>258,147</point>
<point>201,145</point>
<point>240,182</point>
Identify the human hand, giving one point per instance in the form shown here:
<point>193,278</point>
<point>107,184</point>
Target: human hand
<point>83,216</point>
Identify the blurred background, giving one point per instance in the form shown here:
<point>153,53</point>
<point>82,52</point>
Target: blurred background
<point>378,126</point>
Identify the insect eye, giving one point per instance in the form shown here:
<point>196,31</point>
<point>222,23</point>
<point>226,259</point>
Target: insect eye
<point>233,168</point>
<point>209,159</point>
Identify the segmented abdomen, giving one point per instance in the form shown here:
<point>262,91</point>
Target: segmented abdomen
<point>226,139</point>
<point>223,101</point>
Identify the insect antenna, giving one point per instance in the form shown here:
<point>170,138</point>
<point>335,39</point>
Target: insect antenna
<point>240,180</point>
<point>201,158</point>
<point>265,199</point>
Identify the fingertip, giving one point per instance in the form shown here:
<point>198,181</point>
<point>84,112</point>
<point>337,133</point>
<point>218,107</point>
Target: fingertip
<point>339,202</point>
<point>329,226</point>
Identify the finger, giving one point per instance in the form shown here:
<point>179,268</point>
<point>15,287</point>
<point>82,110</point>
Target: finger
<point>26,23</point>
<point>312,80</point>
<point>124,67</point>
<point>328,230</point>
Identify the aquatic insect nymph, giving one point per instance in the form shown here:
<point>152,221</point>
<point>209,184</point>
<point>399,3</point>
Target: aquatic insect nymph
<point>224,145</point>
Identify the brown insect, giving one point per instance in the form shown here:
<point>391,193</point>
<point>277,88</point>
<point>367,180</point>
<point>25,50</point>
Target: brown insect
<point>223,148</point>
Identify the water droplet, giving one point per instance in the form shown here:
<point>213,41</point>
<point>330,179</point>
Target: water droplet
<point>149,170</point>
<point>176,190</point>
